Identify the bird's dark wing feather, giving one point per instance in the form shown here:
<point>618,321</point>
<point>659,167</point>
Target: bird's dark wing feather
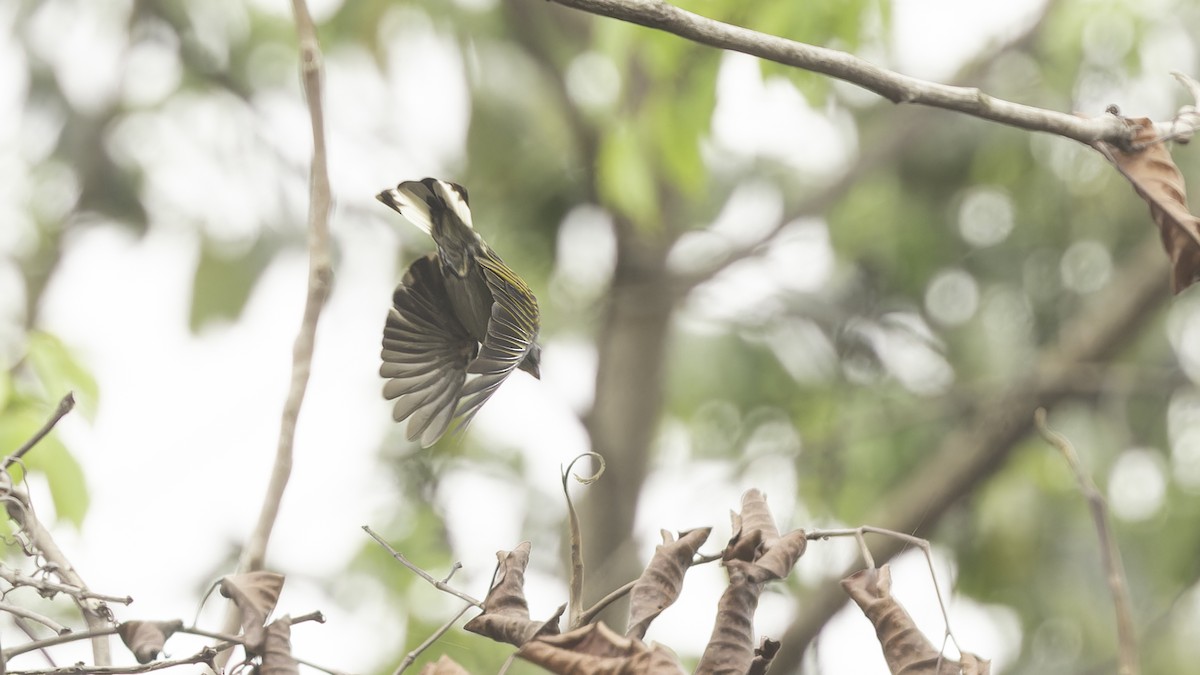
<point>511,332</point>
<point>426,352</point>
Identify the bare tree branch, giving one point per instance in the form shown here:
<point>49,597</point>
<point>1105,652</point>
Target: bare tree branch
<point>440,585</point>
<point>48,587</point>
<point>895,87</point>
<point>46,621</point>
<point>319,280</point>
<point>320,276</point>
<point>205,655</point>
<point>905,128</point>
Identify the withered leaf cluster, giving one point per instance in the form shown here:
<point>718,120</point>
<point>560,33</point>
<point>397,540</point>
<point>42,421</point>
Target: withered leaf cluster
<point>255,595</point>
<point>755,555</point>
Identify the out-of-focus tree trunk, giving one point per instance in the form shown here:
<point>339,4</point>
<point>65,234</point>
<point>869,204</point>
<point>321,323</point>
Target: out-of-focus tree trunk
<point>631,344</point>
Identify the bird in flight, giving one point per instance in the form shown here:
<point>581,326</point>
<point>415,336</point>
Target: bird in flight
<point>461,320</point>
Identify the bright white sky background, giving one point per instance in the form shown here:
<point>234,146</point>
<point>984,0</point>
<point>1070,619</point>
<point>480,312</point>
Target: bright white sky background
<point>180,450</point>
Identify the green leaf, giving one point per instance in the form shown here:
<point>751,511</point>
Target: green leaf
<point>6,389</point>
<point>60,372</point>
<point>68,487</point>
<point>626,178</point>
<point>224,279</point>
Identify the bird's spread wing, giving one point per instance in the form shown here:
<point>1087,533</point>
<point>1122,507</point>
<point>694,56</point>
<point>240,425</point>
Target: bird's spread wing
<point>426,352</point>
<point>511,332</point>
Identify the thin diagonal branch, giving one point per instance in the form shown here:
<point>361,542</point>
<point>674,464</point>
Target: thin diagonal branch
<point>64,406</point>
<point>440,585</point>
<point>1114,569</point>
<point>895,87</point>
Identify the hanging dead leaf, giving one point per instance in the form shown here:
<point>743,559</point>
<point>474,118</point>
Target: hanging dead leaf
<point>444,666</point>
<point>255,595</point>
<point>755,555</point>
<point>904,646</point>
<point>277,656</point>
<point>782,553</point>
<point>505,615</point>
<point>1158,181</point>
<point>595,648</point>
<point>659,585</point>
<point>731,647</point>
<point>752,528</point>
<point>146,638</point>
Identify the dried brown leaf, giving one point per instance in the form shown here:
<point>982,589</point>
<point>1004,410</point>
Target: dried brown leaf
<point>973,665</point>
<point>595,649</point>
<point>904,647</point>
<point>505,615</point>
<point>752,528</point>
<point>781,555</point>
<point>277,656</point>
<point>1158,181</point>
<point>444,666</point>
<point>659,585</point>
<point>255,595</point>
<point>146,638</point>
<point>731,647</point>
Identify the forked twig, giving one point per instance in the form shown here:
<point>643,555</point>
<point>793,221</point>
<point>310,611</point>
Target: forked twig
<point>858,533</point>
<point>440,585</point>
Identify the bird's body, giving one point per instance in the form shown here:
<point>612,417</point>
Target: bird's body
<point>461,320</point>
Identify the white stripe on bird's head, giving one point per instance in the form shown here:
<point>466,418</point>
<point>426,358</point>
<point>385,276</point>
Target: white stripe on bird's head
<point>455,196</point>
<point>404,199</point>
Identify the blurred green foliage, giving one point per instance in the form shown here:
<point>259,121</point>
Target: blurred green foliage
<point>28,399</point>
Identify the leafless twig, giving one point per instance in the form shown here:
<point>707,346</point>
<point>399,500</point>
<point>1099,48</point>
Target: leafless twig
<point>1110,554</point>
<point>49,587</point>
<point>412,656</point>
<point>440,585</point>
<point>205,655</point>
<point>587,616</point>
<point>923,544</point>
<point>64,406</point>
<point>891,85</point>
<point>46,621</point>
